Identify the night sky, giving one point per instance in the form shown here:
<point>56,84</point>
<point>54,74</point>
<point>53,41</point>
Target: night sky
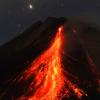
<point>16,15</point>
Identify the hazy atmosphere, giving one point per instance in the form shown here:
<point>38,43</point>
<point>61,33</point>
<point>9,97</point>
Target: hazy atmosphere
<point>16,15</point>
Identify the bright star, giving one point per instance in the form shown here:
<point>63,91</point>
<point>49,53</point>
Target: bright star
<point>30,6</point>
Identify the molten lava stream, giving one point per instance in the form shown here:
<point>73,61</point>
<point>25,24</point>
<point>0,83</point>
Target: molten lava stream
<point>49,82</point>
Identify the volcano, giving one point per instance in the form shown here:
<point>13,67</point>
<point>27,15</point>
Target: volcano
<point>53,65</point>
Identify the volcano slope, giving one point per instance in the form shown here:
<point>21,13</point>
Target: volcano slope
<point>48,62</point>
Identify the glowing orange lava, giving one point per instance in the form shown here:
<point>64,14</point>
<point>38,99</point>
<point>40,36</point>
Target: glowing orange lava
<point>49,81</point>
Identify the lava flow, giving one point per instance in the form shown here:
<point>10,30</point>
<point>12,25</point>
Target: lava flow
<point>47,74</point>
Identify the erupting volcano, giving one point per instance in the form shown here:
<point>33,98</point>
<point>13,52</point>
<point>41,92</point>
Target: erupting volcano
<point>60,72</point>
<point>49,82</point>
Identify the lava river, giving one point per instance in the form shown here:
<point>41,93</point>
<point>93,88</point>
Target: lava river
<point>47,75</point>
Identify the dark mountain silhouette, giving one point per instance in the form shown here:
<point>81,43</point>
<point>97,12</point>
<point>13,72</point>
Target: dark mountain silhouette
<point>17,55</point>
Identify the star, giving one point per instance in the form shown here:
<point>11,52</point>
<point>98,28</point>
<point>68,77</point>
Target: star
<point>30,6</point>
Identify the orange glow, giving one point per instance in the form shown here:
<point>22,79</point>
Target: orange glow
<point>49,82</point>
